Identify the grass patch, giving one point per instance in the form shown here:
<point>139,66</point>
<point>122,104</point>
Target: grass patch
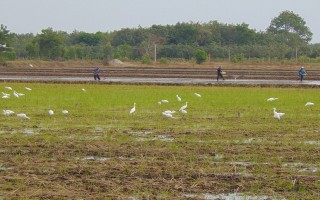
<point>228,142</point>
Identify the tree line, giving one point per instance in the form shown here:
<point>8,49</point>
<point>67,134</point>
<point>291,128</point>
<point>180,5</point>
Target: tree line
<point>287,38</point>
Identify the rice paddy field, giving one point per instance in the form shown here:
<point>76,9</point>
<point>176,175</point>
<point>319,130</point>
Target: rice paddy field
<point>227,146</point>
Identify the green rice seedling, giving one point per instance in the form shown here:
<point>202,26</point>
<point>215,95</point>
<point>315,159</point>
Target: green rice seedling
<point>228,140</point>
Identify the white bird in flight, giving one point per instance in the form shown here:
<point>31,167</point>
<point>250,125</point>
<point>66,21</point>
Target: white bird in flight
<point>133,109</point>
<point>198,95</point>
<point>22,115</point>
<point>184,107</point>
<point>309,104</point>
<point>277,115</point>
<point>272,99</point>
<point>178,98</point>
<point>65,112</point>
<point>50,112</point>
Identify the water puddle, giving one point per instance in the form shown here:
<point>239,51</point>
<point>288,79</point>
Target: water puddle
<point>6,168</point>
<point>230,196</point>
<point>312,142</point>
<point>162,138</point>
<point>301,167</point>
<point>92,158</point>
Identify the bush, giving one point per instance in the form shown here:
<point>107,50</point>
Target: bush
<point>145,59</point>
<point>201,56</point>
<point>163,61</point>
<point>237,58</point>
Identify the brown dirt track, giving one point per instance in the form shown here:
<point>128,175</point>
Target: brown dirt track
<point>156,72</point>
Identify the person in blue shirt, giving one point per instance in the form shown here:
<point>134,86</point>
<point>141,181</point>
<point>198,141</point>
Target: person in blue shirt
<point>96,72</point>
<point>302,73</point>
<point>219,73</point>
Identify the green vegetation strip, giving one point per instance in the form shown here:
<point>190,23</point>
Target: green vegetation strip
<point>228,142</point>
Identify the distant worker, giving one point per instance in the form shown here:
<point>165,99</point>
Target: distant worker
<point>96,72</point>
<point>302,73</point>
<point>219,73</point>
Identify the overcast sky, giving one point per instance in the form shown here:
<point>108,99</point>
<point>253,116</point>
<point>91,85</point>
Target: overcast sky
<point>31,16</point>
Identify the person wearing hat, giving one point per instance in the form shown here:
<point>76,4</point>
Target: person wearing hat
<point>302,73</point>
<point>219,73</point>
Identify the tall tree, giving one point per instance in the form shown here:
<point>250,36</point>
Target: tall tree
<point>290,28</point>
<point>50,43</point>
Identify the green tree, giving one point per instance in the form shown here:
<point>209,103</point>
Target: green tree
<point>50,44</point>
<point>201,56</point>
<point>290,28</point>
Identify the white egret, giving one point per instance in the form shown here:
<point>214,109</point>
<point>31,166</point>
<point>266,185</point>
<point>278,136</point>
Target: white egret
<point>83,89</point>
<point>6,96</point>
<point>178,98</point>
<point>272,99</point>
<point>30,65</point>
<point>277,115</point>
<point>22,115</point>
<point>164,101</point>
<point>198,95</point>
<point>7,112</point>
<point>133,109</point>
<point>50,112</point>
<point>16,94</point>
<point>65,112</point>
<point>169,111</point>
<point>159,102</point>
<point>27,88</point>
<point>8,88</point>
<point>309,104</point>
<point>183,111</point>
<point>184,107</point>
<point>168,115</point>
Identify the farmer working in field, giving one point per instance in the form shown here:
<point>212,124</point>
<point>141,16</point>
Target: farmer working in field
<point>96,72</point>
<point>219,73</point>
<point>302,73</point>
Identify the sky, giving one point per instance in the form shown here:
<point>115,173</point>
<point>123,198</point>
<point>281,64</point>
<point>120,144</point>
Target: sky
<point>31,16</point>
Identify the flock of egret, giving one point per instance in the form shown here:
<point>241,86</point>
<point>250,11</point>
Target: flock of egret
<point>166,113</point>
<point>18,95</point>
<point>278,115</point>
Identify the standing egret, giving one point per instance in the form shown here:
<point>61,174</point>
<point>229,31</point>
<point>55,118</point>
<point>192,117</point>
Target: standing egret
<point>164,101</point>
<point>16,94</point>
<point>198,95</point>
<point>27,88</point>
<point>50,112</point>
<point>133,109</point>
<point>6,96</point>
<point>184,107</point>
<point>65,112</point>
<point>83,89</point>
<point>272,99</point>
<point>178,98</point>
<point>30,65</point>
<point>22,115</point>
<point>277,115</point>
<point>309,104</point>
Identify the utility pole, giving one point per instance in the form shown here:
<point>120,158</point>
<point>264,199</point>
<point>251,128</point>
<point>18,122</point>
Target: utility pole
<point>155,53</point>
